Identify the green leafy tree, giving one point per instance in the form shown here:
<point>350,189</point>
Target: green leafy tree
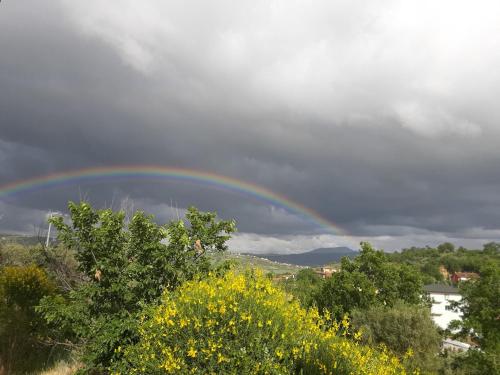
<point>480,309</point>
<point>367,280</point>
<point>446,247</point>
<point>451,262</point>
<point>126,265</point>
<point>345,291</point>
<point>407,330</point>
<point>305,284</point>
<point>491,248</point>
<point>480,306</point>
<point>430,270</point>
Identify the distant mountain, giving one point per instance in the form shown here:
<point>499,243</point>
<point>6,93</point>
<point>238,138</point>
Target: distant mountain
<point>317,257</point>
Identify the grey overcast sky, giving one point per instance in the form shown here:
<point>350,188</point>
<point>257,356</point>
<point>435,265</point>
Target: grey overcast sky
<point>381,116</point>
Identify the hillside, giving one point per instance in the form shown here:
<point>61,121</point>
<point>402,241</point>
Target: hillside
<point>317,257</point>
<point>252,261</point>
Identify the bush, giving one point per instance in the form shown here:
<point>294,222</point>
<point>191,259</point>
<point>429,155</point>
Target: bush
<point>403,329</point>
<point>304,286</point>
<point>241,324</point>
<point>15,254</point>
<point>21,327</point>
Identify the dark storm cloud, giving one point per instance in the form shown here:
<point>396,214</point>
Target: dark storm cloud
<point>381,118</point>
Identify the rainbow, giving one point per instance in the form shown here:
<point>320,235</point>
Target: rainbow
<point>181,174</point>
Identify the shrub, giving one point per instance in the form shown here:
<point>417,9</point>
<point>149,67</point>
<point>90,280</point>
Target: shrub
<point>15,254</point>
<point>241,324</point>
<point>403,329</point>
<point>21,328</point>
<point>304,286</point>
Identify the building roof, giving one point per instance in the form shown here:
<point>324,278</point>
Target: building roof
<point>456,343</point>
<point>441,288</point>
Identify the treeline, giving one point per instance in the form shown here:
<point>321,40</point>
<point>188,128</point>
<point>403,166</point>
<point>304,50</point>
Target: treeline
<point>131,296</point>
<point>434,263</point>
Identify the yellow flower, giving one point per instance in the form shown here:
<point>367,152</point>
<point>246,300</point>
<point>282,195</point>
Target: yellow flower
<point>221,358</point>
<point>409,353</point>
<point>186,336</point>
<point>246,317</point>
<point>279,353</point>
<point>357,335</point>
<point>192,352</point>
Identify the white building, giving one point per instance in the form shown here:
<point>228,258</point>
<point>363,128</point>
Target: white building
<point>442,296</point>
<point>455,346</point>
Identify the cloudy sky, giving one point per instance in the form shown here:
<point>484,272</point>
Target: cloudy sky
<point>381,116</point>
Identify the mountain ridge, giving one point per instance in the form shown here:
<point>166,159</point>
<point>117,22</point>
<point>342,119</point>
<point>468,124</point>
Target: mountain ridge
<point>315,257</point>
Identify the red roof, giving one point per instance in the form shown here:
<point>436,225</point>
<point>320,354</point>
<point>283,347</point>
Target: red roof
<point>457,276</point>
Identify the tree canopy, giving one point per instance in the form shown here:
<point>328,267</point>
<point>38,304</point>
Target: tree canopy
<point>367,280</point>
<point>126,265</point>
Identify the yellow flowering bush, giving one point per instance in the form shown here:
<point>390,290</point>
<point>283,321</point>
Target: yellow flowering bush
<point>242,324</point>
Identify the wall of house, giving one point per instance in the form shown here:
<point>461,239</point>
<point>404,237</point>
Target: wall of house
<point>441,316</point>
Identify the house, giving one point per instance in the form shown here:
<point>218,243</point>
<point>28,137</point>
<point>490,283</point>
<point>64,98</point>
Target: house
<point>325,272</point>
<point>441,297</point>
<point>455,346</point>
<point>463,276</point>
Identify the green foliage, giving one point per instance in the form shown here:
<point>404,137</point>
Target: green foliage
<point>480,309</point>
<point>106,274</point>
<point>61,265</point>
<point>242,324</point>
<point>454,260</point>
<point>126,265</point>
<point>58,261</point>
<point>21,327</point>
<point>480,306</point>
<point>345,291</point>
<point>476,362</point>
<point>446,247</point>
<point>367,280</point>
<point>491,248</point>
<point>430,272</point>
<point>304,286</point>
<point>14,254</point>
<point>403,329</point>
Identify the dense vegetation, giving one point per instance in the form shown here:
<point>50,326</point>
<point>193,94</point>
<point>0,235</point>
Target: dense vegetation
<point>403,328</point>
<point>242,324</point>
<point>433,261</point>
<point>381,291</point>
<point>135,296</point>
<point>368,280</point>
